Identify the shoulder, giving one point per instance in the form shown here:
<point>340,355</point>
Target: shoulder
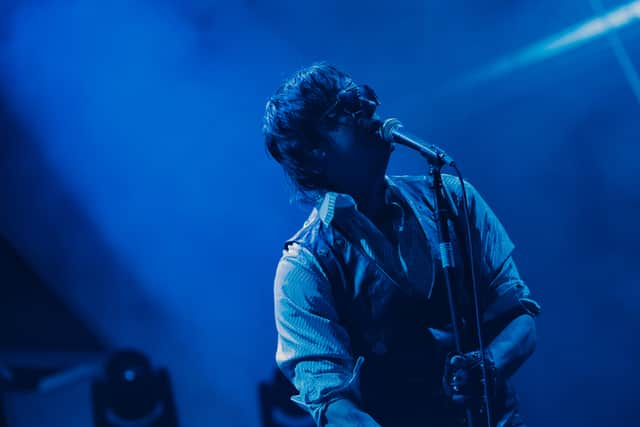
<point>423,182</point>
<point>455,185</point>
<point>409,180</point>
<point>299,267</point>
<point>300,283</point>
<point>421,186</point>
<point>311,245</point>
<point>296,256</point>
<point>414,186</point>
<point>307,269</point>
<point>306,234</point>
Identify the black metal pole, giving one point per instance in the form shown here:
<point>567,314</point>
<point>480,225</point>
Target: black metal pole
<point>445,247</point>
<point>485,409</point>
<point>391,131</point>
<point>442,214</point>
<point>447,258</point>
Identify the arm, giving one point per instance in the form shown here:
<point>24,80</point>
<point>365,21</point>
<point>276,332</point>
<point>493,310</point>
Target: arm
<point>313,347</point>
<point>508,325</point>
<point>509,320</point>
<point>506,310</point>
<point>506,353</point>
<point>513,345</point>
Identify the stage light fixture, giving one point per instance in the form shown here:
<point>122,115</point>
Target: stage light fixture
<point>131,393</point>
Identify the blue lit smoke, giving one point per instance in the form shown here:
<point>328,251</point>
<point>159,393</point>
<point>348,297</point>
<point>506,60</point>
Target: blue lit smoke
<point>574,37</point>
<point>137,112</point>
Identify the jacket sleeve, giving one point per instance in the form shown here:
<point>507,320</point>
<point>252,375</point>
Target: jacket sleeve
<point>506,296</point>
<point>313,347</point>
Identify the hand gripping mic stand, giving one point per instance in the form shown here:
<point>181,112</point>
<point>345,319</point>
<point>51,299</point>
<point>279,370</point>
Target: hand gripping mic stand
<point>443,205</point>
<point>442,214</point>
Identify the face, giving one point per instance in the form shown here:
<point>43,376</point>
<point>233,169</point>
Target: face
<point>355,156</point>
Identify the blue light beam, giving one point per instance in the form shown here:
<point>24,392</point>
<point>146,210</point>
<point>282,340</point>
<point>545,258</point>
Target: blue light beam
<point>605,24</point>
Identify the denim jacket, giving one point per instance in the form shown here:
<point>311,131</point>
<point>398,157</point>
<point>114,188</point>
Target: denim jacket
<point>352,326</point>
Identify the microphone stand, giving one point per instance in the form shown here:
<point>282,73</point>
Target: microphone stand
<point>443,212</point>
<point>391,130</point>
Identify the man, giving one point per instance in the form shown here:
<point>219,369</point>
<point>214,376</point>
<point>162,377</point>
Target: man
<point>361,308</point>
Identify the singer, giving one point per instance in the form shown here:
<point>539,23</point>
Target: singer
<point>361,310</point>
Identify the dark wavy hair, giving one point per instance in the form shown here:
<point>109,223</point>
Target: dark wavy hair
<point>293,129</point>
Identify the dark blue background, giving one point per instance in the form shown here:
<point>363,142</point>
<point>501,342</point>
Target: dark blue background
<point>134,181</point>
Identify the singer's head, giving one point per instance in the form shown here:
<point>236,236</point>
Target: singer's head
<point>321,127</point>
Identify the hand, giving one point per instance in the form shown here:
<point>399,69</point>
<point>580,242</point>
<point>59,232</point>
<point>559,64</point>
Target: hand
<point>462,378</point>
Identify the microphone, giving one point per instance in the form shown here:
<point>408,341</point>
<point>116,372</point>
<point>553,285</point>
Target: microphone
<point>391,131</point>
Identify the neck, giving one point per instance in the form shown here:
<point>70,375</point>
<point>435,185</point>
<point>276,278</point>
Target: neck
<point>370,198</point>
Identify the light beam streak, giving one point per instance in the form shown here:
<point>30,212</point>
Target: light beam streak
<point>604,25</point>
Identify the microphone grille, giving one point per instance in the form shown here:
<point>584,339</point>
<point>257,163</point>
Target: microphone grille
<point>388,127</point>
